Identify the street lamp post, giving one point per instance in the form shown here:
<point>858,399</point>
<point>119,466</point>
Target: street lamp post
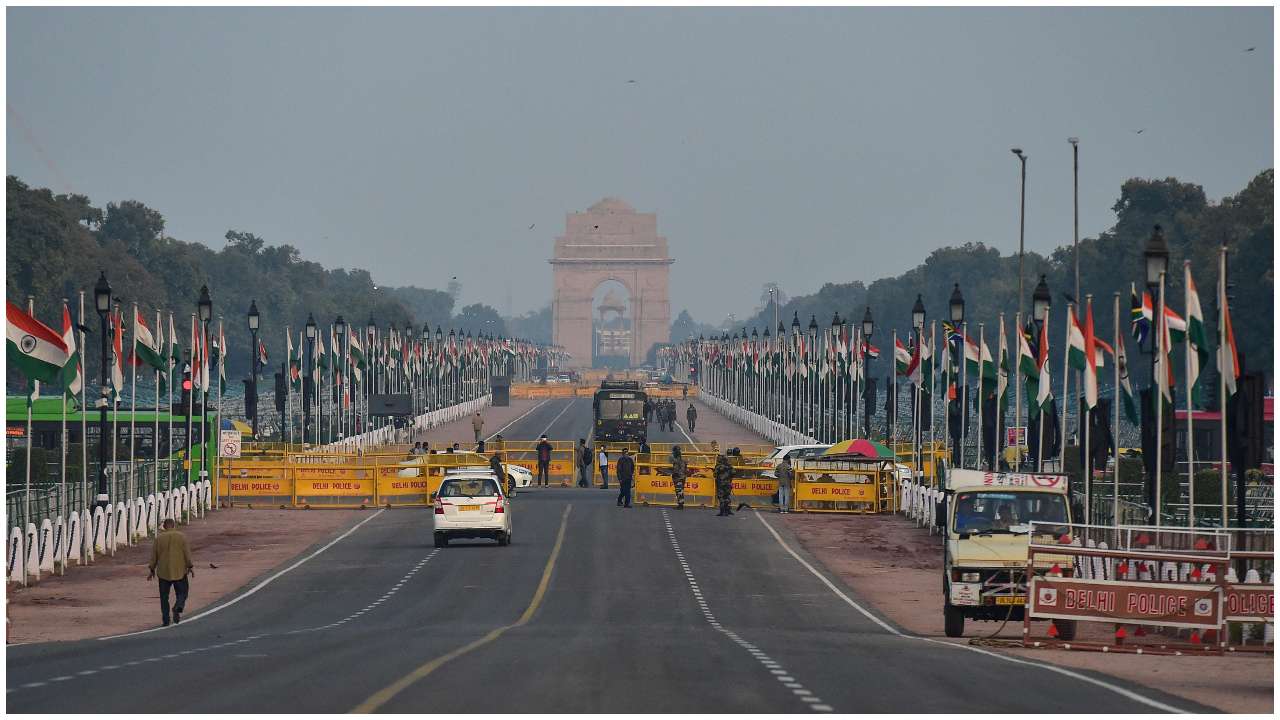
<point>343,350</point>
<point>205,305</point>
<point>102,301</point>
<point>864,358</point>
<point>1156,262</point>
<point>1041,303</point>
<point>315,391</point>
<point>439,359</point>
<point>253,361</point>
<point>830,422</point>
<point>956,306</point>
<point>810,383</point>
<point>1022,224</point>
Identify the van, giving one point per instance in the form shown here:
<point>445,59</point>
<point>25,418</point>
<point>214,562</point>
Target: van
<point>988,523</point>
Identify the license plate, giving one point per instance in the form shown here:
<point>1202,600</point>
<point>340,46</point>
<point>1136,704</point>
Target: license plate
<point>1011,600</point>
<point>468,507</point>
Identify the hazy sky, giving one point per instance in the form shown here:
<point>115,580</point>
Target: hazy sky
<point>803,146</point>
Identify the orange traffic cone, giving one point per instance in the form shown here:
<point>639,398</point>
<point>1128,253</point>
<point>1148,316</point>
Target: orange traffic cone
<point>1053,630</point>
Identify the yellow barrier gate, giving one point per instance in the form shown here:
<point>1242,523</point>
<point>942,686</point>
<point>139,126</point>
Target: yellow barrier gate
<point>843,487</point>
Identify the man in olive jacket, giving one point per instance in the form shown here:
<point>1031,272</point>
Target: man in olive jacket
<point>171,560</point>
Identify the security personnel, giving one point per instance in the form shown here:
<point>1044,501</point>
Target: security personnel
<point>692,416</point>
<point>625,470</point>
<point>585,461</point>
<point>724,484</point>
<point>544,462</point>
<point>679,471</point>
<point>495,464</point>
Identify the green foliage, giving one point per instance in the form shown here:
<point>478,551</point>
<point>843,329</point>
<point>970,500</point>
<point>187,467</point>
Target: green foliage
<point>685,328</point>
<point>1194,228</point>
<point>534,325</point>
<point>57,245</point>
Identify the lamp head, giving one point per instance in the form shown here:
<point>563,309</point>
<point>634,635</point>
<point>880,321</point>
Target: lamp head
<point>1156,254</point>
<point>868,325</point>
<point>253,316</point>
<point>917,313</point>
<point>102,294</point>
<point>1041,300</point>
<point>957,305</point>
<point>205,304</point>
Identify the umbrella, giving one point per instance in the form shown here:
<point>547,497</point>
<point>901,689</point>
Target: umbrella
<point>864,448</point>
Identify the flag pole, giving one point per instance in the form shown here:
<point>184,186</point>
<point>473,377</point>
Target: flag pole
<point>217,456</point>
<point>1222,376</point>
<point>933,390</point>
<point>61,557</point>
<point>287,422</point>
<point>118,326</point>
<point>133,396</point>
<point>892,422</point>
<point>155,432</point>
<point>964,388</point>
<point>1044,342</point>
<point>1191,436</point>
<point>174,372</point>
<point>1115,474</point>
<point>188,463</point>
<point>1016,370</point>
<point>1162,367</point>
<point>31,397</point>
<point>1088,415</point>
<point>1000,405</point>
<point>1066,390</point>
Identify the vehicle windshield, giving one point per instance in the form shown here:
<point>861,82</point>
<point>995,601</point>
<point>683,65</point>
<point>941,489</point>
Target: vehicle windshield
<point>982,512</point>
<point>468,488</point>
<point>621,409</point>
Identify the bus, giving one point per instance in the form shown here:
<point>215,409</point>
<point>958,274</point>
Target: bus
<point>619,412</point>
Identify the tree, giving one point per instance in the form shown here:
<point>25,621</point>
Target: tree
<point>534,326</point>
<point>480,318</point>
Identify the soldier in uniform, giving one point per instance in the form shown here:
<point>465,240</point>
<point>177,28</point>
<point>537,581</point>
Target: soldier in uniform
<point>724,484</point>
<point>679,471</point>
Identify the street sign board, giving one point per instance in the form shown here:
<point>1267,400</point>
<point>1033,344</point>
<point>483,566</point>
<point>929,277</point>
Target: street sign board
<point>229,444</point>
<point>1141,603</point>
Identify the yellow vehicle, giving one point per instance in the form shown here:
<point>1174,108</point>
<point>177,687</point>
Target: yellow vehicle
<point>988,524</point>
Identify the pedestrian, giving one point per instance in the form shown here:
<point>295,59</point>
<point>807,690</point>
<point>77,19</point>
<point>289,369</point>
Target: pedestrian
<point>477,424</point>
<point>171,560</point>
<point>684,391</point>
<point>544,462</point>
<point>644,447</point>
<point>785,478</point>
<point>584,463</point>
<point>480,447</point>
<point>724,484</point>
<point>495,464</point>
<point>602,460</point>
<point>679,471</point>
<point>625,470</point>
<point>691,415</point>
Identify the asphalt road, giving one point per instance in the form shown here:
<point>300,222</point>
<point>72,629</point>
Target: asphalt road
<point>593,608</point>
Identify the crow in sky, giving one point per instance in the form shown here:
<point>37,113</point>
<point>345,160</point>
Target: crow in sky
<point>531,226</point>
<point>1139,132</point>
<point>1250,49</point>
<point>629,82</point>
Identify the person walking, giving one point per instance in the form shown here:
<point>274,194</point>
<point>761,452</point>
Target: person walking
<point>477,424</point>
<point>625,470</point>
<point>785,477</point>
<point>584,463</point>
<point>724,484</point>
<point>171,560</point>
<point>495,464</point>
<point>602,459</point>
<point>544,462</point>
<point>691,416</point>
<point>679,471</point>
<point>684,391</point>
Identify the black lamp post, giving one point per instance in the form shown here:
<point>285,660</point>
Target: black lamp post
<point>205,306</point>
<point>811,390</point>
<point>253,361</point>
<point>1156,261</point>
<point>956,305</point>
<point>829,426</point>
<point>439,359</point>
<point>310,374</point>
<point>102,302</point>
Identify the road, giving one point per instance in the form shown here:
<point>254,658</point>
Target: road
<point>593,608</point>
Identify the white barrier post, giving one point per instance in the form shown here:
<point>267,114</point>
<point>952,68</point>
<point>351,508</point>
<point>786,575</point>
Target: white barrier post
<point>75,543</point>
<point>32,542</point>
<point>16,570</point>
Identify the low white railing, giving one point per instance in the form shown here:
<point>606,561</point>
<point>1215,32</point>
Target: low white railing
<point>771,429</point>
<point>388,435</point>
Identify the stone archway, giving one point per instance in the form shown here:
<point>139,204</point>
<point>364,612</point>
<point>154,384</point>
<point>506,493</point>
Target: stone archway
<point>610,241</point>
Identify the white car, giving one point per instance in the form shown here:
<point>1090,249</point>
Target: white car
<point>471,504</point>
<point>517,476</point>
<point>795,452</point>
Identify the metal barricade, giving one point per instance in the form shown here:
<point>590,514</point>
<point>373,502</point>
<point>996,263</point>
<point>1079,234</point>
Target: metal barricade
<point>843,487</point>
<point>653,484</point>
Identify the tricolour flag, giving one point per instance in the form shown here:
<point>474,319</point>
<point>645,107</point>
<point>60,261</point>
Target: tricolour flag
<point>33,347</point>
<point>72,373</point>
<point>1044,389</point>
<point>1228,358</point>
<point>1126,388</point>
<point>117,354</point>
<point>1002,379</point>
<point>295,363</point>
<point>145,348</point>
<point>1090,356</point>
<point>1075,342</point>
<point>913,365</point>
<point>1164,368</point>
<point>901,356</point>
<point>1195,334</point>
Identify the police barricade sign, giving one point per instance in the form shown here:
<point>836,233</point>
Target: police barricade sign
<point>1250,603</point>
<point>249,482</point>
<point>406,485</point>
<point>654,485</point>
<point>334,485</point>
<point>750,486</point>
<point>1140,603</point>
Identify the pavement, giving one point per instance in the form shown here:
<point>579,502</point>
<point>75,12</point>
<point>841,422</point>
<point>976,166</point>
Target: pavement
<point>593,608</point>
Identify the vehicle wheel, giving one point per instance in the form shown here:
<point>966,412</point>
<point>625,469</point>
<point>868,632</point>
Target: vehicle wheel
<point>1066,629</point>
<point>503,539</point>
<point>441,541</point>
<point>953,621</point>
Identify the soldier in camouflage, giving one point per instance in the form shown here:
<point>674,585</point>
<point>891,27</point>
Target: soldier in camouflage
<point>679,471</point>
<point>724,484</point>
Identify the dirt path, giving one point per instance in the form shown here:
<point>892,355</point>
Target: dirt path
<point>113,596</point>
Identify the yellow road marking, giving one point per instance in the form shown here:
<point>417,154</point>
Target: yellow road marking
<point>383,696</point>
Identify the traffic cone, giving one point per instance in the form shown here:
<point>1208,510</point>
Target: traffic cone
<point>1195,637</point>
<point>1121,635</point>
<point>1053,630</point>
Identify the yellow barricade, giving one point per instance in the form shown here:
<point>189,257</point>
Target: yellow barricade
<point>653,484</point>
<point>750,486</point>
<point>844,487</point>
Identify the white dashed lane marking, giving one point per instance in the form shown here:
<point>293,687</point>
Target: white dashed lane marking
<point>251,638</point>
<point>775,669</point>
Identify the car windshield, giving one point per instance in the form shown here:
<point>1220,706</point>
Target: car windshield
<point>1011,512</point>
<point>468,488</point>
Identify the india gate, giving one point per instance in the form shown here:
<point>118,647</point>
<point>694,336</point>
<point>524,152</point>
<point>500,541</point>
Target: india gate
<point>610,241</point>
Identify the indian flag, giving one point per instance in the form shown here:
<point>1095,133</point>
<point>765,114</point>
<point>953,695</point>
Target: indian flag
<point>901,356</point>
<point>34,348</point>
<point>1195,334</point>
<point>1075,343</point>
<point>1027,361</point>
<point>117,354</point>
<point>1126,388</point>
<point>1002,378</point>
<point>72,373</point>
<point>145,348</point>
<point>1091,353</point>
<point>1228,359</point>
<point>913,365</point>
<point>1044,391</point>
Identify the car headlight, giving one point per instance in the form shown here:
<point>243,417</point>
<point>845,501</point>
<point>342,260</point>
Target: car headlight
<point>970,577</point>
